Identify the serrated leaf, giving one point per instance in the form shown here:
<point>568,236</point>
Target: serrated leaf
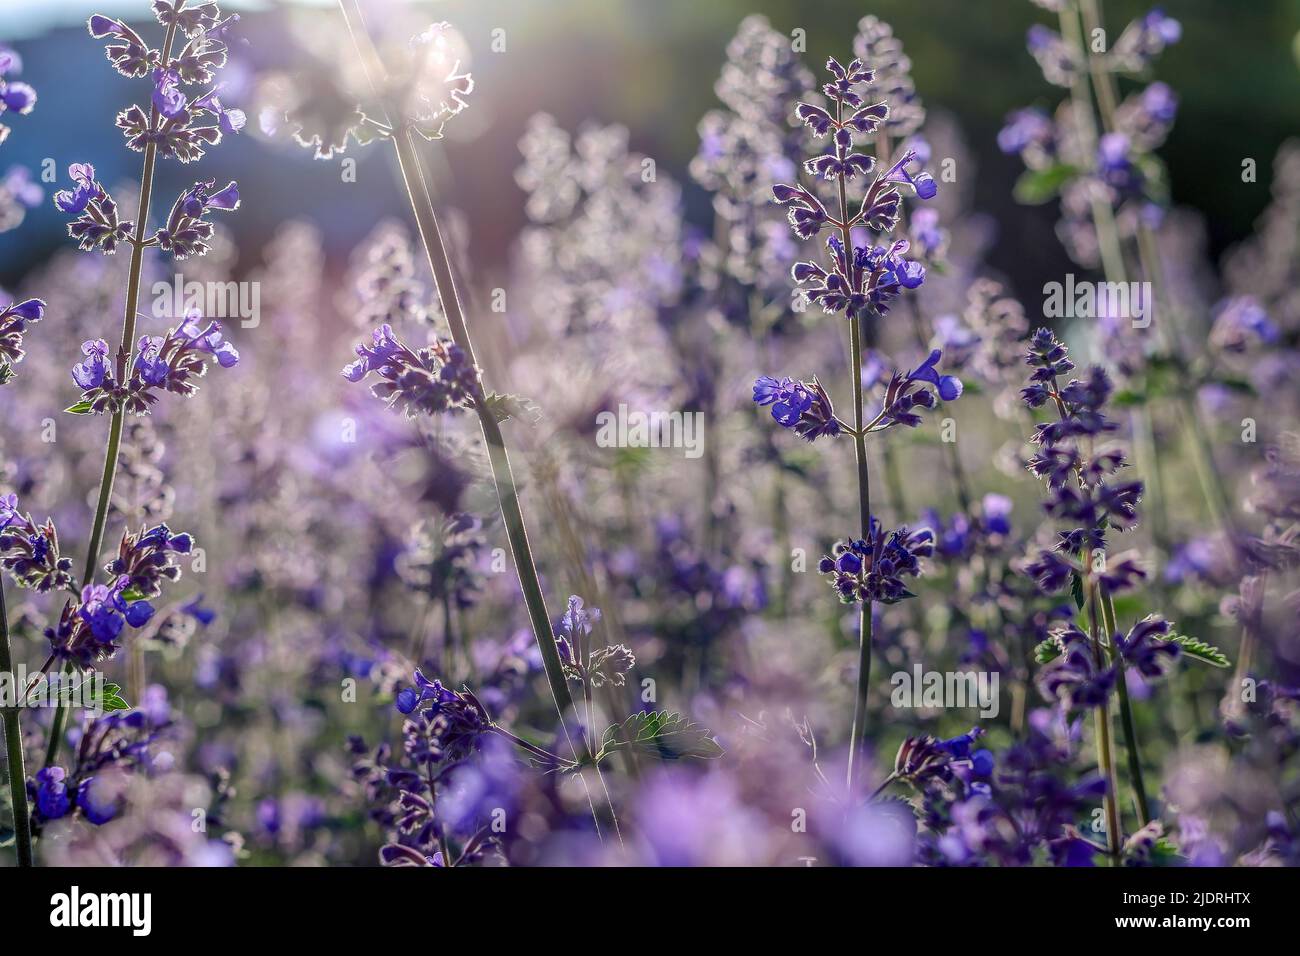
<point>505,407</point>
<point>1047,651</point>
<point>81,408</point>
<point>1201,651</point>
<point>662,734</point>
<point>1037,186</point>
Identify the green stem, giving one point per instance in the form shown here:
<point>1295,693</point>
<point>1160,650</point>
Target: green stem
<point>1101,715</point>
<point>857,733</point>
<point>125,349</point>
<point>1126,716</point>
<point>14,746</point>
<point>421,200</point>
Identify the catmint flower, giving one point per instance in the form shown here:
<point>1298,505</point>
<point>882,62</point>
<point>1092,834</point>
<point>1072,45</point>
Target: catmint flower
<point>1074,677</point>
<point>922,183</point>
<point>1144,649</point>
<point>148,557</point>
<point>802,406</point>
<point>14,319</point>
<point>49,793</point>
<point>163,363</point>
<point>97,224</point>
<point>926,234</point>
<point>922,761</point>
<point>15,97</point>
<point>905,393</point>
<point>187,231</point>
<point>446,727</point>
<point>437,378</point>
<point>30,552</point>
<point>125,49</point>
<point>873,570</point>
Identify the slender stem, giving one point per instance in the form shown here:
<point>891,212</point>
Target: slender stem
<point>531,748</point>
<point>1105,754</point>
<point>14,746</point>
<point>421,200</point>
<point>124,352</point>
<point>1126,716</point>
<point>858,732</point>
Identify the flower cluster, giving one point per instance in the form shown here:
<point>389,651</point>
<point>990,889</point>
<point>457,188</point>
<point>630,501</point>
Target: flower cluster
<point>147,557</point>
<point>1082,486</point>
<point>88,630</point>
<point>188,232</point>
<point>1077,679</point>
<point>30,552</point>
<point>926,761</point>
<point>113,746</point>
<point>436,378</point>
<point>163,363</point>
<point>873,570</point>
<point>97,225</point>
<point>14,319</point>
<point>803,406</point>
<point>15,97</point>
<point>447,725</point>
<point>860,279</point>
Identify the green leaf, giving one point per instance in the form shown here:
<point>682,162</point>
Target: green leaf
<point>1047,651</point>
<point>662,734</point>
<point>81,408</point>
<point>1037,186</point>
<point>132,594</point>
<point>1199,650</point>
<point>1076,589</point>
<point>110,700</point>
<point>505,407</point>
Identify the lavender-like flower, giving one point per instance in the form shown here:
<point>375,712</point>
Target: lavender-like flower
<point>15,96</point>
<point>163,363</point>
<point>434,379</point>
<point>872,569</point>
<point>14,319</point>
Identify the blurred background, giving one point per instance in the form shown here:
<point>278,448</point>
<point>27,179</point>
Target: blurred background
<point>346,544</point>
<point>651,67</point>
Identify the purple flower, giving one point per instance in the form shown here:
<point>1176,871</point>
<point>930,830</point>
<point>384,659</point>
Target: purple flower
<point>1027,128</point>
<point>437,378</point>
<point>75,201</point>
<point>873,570</point>
<point>922,182</point>
<point>91,371</point>
<point>949,387</point>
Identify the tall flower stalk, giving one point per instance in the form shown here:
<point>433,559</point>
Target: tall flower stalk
<point>173,127</point>
<point>861,281</point>
<point>14,748</point>
<point>401,130</point>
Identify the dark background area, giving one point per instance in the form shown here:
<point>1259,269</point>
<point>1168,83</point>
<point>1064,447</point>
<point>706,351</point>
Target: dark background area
<point>651,66</point>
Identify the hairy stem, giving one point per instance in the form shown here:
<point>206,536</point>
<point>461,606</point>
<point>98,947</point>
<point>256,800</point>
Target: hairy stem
<point>421,199</point>
<point>124,352</point>
<point>14,746</point>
